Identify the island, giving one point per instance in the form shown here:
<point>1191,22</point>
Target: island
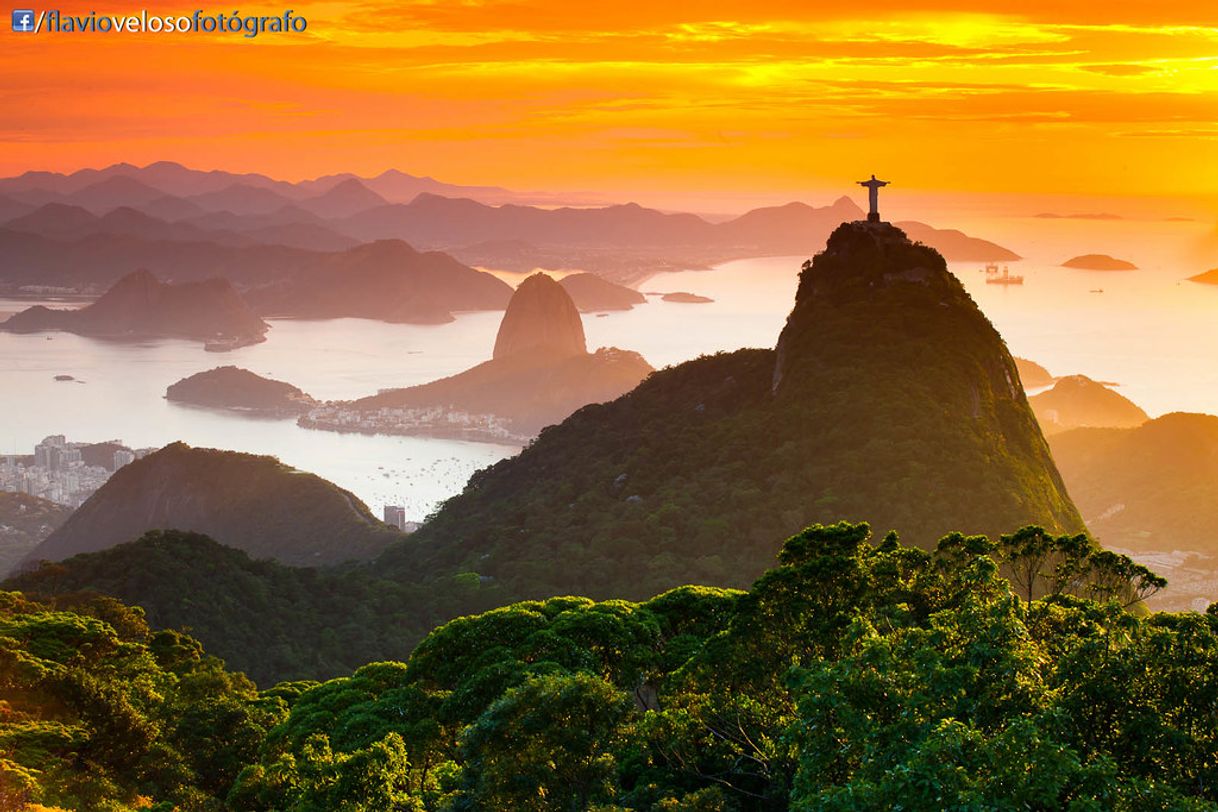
<point>591,293</point>
<point>686,298</point>
<point>1210,277</point>
<point>240,390</point>
<point>539,373</point>
<point>140,306</point>
<point>1099,262</point>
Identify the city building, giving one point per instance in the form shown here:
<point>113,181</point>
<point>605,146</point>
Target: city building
<point>396,516</point>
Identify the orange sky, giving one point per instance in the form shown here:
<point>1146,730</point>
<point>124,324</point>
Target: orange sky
<point>646,99</point>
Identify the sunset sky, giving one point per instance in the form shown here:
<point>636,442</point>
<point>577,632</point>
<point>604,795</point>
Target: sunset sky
<point>646,99</point>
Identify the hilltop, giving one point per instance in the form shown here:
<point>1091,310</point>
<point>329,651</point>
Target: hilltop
<point>1033,375</point>
<point>249,502</point>
<point>1076,401</point>
<point>240,390</point>
<point>1099,262</point>
<point>592,293</point>
<point>540,372</point>
<point>1210,277</point>
<point>889,397</point>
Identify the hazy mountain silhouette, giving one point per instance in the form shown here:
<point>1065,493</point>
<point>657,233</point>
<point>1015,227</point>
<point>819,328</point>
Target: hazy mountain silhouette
<point>1076,401</point>
<point>63,221</point>
<point>241,199</point>
<point>139,305</point>
<point>1208,278</point>
<point>1099,262</point>
<point>177,180</point>
<point>386,280</point>
<point>1154,487</point>
<point>592,293</point>
<point>343,200</point>
<point>1033,375</point>
<point>10,209</point>
<point>453,224</point>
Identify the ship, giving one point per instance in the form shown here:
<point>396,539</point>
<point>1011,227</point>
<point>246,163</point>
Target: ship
<point>1005,279</point>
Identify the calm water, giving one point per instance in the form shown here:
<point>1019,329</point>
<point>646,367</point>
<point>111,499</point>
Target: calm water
<point>1154,334</point>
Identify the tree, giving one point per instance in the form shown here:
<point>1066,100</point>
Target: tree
<point>546,745</point>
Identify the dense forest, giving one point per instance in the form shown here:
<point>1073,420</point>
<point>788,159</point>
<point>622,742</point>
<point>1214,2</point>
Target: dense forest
<point>853,675</point>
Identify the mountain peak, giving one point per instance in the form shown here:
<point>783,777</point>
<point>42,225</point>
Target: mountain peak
<point>873,267</point>
<point>860,255</point>
<point>540,318</point>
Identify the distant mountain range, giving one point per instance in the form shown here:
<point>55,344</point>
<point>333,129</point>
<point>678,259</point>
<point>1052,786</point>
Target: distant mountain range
<point>173,179</point>
<point>93,226</point>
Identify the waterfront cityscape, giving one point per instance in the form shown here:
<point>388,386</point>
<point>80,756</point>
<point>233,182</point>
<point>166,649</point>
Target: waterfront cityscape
<point>432,421</point>
<point>64,472</point>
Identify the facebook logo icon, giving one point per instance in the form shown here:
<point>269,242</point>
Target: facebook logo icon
<point>23,19</point>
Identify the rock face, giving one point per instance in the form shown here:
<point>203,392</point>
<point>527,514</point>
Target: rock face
<point>249,502</point>
<point>1099,262</point>
<point>541,320</point>
<point>890,398</point>
<point>139,305</point>
<point>1077,401</point>
<point>240,390</point>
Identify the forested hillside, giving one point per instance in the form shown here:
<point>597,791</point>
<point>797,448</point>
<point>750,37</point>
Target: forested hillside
<point>852,676</point>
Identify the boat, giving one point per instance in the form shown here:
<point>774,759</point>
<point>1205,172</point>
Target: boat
<point>1005,279</point>
<point>991,269</point>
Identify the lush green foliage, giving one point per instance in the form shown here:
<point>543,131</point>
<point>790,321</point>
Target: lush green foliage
<point>268,620</point>
<point>851,676</point>
<point>99,713</point>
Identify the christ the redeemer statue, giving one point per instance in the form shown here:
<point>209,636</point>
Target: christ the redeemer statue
<point>873,190</point>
